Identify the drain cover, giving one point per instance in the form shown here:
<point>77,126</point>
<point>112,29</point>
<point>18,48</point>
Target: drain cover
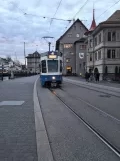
<point>107,96</point>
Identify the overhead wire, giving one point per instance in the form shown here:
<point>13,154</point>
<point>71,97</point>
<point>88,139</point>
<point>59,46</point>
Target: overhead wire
<point>106,10</point>
<point>56,11</point>
<point>80,8</point>
<point>78,12</point>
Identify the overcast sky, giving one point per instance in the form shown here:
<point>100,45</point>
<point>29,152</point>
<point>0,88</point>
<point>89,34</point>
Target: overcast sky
<point>22,20</point>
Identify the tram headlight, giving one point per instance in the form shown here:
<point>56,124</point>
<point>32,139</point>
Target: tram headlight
<point>53,78</point>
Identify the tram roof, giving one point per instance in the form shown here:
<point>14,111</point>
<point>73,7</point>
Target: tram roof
<point>46,53</point>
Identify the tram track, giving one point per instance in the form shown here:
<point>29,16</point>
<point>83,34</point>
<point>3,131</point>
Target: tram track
<point>88,125</point>
<point>91,105</point>
<point>95,89</point>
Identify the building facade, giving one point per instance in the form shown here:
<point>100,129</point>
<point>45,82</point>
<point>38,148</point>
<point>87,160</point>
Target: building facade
<point>65,45</point>
<point>33,62</point>
<point>104,48</point>
<point>80,52</point>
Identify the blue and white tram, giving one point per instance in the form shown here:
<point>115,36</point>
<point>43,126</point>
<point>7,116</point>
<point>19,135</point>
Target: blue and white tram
<point>51,69</point>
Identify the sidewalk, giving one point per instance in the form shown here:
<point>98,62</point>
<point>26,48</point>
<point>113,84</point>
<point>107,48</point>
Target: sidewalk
<point>105,83</point>
<point>99,87</point>
<point>17,123</point>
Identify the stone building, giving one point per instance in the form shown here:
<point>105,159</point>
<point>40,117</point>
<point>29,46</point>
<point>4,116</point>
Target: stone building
<point>33,62</point>
<point>65,45</point>
<point>103,52</point>
<point>80,52</point>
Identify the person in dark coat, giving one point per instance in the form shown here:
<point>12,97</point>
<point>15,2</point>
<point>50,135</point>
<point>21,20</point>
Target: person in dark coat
<point>97,76</point>
<point>86,76</point>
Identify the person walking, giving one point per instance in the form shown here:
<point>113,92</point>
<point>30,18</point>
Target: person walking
<point>86,76</point>
<point>97,76</point>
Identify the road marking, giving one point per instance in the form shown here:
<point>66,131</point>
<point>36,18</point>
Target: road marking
<point>11,103</point>
<point>44,152</point>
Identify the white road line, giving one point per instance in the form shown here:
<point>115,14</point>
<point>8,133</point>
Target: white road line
<point>43,147</point>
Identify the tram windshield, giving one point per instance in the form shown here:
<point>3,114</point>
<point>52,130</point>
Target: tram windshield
<point>52,66</point>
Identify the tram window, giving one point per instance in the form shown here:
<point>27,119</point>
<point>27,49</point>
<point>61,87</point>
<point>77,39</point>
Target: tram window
<point>60,65</point>
<point>52,66</point>
<point>43,66</point>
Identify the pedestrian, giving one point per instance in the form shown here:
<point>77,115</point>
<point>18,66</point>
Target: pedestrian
<point>97,76</point>
<point>86,76</point>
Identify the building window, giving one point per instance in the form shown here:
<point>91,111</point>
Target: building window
<point>82,46</point>
<point>80,66</point>
<point>84,64</point>
<point>96,56</point>
<point>74,27</point>
<point>99,54</point>
<point>68,45</point>
<point>95,41</point>
<point>116,70</point>
<point>106,70</point>
<point>67,60</point>
<point>77,35</point>
<point>44,66</point>
<point>90,57</point>
<point>108,53</point>
<point>99,38</point>
<point>113,54</point>
<point>91,43</point>
<point>69,35</point>
<point>111,36</point>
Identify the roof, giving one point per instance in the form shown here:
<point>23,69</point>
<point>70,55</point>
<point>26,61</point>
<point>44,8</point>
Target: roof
<point>72,26</point>
<point>115,16</point>
<point>113,19</point>
<point>80,40</point>
<point>46,53</point>
<point>93,25</point>
<point>34,55</point>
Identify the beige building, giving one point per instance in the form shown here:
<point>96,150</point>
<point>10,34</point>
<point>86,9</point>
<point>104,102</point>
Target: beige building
<point>103,52</point>
<point>33,62</point>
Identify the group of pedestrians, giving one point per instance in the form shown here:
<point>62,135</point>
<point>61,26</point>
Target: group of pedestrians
<point>91,76</point>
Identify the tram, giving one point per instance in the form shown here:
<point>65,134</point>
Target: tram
<point>51,69</point>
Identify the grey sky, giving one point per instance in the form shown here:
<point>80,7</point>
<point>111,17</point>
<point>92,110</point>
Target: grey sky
<point>17,27</point>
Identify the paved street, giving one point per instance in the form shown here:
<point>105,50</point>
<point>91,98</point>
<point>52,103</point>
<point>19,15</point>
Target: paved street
<point>69,138</point>
<point>17,125</point>
<point>51,127</point>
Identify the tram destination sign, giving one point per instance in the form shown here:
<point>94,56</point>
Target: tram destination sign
<point>52,55</point>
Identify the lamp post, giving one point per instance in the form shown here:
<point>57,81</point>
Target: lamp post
<point>2,71</point>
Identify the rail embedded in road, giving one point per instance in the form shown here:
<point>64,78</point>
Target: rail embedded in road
<point>88,125</point>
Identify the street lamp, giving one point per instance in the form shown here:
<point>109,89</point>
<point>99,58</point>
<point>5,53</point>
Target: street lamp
<point>2,71</point>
